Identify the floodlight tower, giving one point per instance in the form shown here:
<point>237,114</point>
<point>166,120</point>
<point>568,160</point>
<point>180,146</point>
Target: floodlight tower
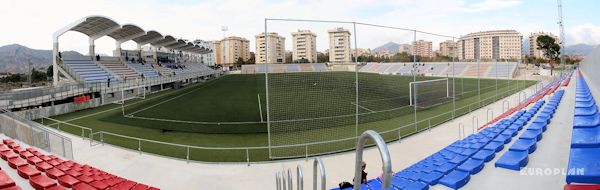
<point>562,35</point>
<point>224,29</point>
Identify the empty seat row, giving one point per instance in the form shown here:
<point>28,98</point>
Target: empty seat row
<point>49,172</point>
<point>120,69</point>
<point>584,159</point>
<point>453,165</point>
<point>89,71</point>
<point>517,155</point>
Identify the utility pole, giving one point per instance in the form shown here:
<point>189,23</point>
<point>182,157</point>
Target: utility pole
<point>562,36</point>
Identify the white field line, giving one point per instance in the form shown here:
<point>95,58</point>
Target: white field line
<point>361,107</point>
<point>170,99</point>
<point>112,109</point>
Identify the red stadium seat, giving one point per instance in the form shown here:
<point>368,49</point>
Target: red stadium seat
<point>16,162</point>
<point>3,148</point>
<point>54,173</point>
<point>56,187</point>
<point>8,155</point>
<point>27,171</point>
<point>34,160</point>
<point>8,141</point>
<point>43,166</point>
<point>40,182</point>
<point>83,186</point>
<point>25,154</point>
<point>85,179</point>
<point>5,180</point>
<point>73,173</point>
<point>140,186</point>
<point>67,181</point>
<point>99,185</point>
<point>19,149</point>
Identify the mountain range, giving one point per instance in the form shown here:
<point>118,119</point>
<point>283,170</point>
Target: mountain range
<point>15,58</point>
<point>390,47</point>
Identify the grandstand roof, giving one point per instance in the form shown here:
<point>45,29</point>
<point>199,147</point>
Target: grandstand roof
<point>99,26</point>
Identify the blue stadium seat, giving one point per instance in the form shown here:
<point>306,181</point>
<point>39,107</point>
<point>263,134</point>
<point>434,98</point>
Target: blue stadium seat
<point>513,160</point>
<point>472,166</point>
<point>455,179</point>
<point>586,137</point>
<point>584,166</point>
<point>531,133</point>
<point>586,121</point>
<point>485,155</point>
<point>432,178</point>
<point>528,145</point>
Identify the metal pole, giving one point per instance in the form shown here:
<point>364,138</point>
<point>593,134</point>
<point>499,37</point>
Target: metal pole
<point>453,82</point>
<point>267,89</point>
<point>478,85</point>
<point>415,76</point>
<point>355,80</point>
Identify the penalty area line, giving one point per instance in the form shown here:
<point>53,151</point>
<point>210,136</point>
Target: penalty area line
<point>362,107</point>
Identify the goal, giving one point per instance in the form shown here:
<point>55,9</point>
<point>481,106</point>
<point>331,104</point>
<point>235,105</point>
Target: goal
<point>429,93</point>
<point>128,93</point>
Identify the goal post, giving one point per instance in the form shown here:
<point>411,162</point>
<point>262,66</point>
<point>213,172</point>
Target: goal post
<point>428,93</point>
<point>128,93</point>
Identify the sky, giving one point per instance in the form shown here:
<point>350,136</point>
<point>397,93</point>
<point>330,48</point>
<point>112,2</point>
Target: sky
<point>32,23</point>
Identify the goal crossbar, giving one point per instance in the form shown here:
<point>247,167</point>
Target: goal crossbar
<point>413,91</point>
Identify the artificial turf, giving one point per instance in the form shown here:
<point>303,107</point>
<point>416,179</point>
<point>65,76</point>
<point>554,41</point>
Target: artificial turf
<point>304,108</point>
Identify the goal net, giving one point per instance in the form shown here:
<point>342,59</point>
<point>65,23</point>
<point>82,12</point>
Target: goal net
<point>429,93</point>
<point>129,93</point>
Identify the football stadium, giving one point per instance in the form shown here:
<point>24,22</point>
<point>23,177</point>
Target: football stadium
<point>166,112</point>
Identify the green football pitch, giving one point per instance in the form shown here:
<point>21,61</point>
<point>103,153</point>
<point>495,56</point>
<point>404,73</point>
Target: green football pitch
<point>215,116</point>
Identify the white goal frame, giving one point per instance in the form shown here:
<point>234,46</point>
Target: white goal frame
<point>141,93</point>
<point>414,91</point>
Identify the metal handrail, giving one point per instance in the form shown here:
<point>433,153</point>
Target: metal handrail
<point>489,110</point>
<point>277,181</point>
<point>507,105</point>
<point>383,152</point>
<point>289,179</point>
<point>299,178</point>
<point>318,162</point>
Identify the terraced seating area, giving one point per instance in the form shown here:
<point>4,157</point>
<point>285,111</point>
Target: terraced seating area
<point>146,70</point>
<point>583,171</point>
<point>88,71</point>
<point>501,70</point>
<point>517,155</point>
<point>477,70</point>
<point>162,70</point>
<point>453,165</point>
<point>48,172</point>
<point>120,69</point>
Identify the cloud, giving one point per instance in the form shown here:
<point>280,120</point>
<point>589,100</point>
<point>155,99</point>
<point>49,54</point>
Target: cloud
<point>584,34</point>
<point>489,5</point>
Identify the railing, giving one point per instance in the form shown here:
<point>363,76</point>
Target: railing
<point>19,127</point>
<point>245,154</point>
<point>319,166</point>
<point>386,160</point>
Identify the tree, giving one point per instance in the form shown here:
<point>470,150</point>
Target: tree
<point>550,48</point>
<point>239,62</point>
<point>50,71</point>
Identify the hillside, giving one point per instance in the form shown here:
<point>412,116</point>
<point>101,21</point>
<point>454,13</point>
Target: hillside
<point>15,58</point>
